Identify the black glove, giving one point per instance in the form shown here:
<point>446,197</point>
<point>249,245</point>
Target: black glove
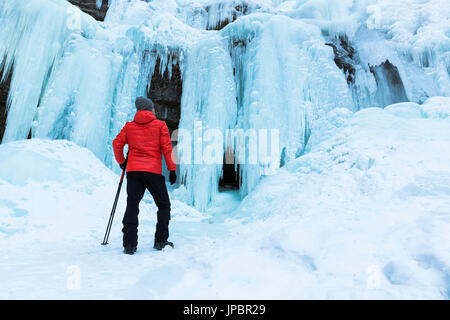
<point>123,166</point>
<point>172,177</point>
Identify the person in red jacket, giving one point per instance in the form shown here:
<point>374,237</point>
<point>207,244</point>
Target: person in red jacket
<point>148,139</point>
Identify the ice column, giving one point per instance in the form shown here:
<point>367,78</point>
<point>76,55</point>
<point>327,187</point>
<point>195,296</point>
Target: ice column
<point>32,34</point>
<point>208,108</point>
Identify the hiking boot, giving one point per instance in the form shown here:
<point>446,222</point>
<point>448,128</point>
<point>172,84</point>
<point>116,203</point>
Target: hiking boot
<point>129,249</point>
<point>161,245</point>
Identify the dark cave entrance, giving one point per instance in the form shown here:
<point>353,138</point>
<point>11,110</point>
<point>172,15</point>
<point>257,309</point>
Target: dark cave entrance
<point>165,92</point>
<point>230,173</point>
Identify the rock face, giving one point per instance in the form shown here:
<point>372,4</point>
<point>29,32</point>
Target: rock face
<point>4,89</point>
<point>166,93</point>
<point>344,57</point>
<point>90,7</point>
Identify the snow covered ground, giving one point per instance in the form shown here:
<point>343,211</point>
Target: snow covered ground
<point>364,213</point>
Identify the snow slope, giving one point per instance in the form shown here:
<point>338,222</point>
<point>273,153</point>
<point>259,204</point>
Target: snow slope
<point>363,214</point>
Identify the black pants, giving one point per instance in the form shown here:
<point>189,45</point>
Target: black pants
<point>137,182</point>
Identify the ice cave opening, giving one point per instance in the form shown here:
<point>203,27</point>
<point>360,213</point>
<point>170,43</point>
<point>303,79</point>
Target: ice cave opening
<point>165,91</point>
<point>230,179</point>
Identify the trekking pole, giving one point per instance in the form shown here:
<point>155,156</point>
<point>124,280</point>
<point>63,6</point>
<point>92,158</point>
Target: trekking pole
<point>108,228</point>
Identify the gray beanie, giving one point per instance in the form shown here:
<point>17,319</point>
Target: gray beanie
<point>143,103</point>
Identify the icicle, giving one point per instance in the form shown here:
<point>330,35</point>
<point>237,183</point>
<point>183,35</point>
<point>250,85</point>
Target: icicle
<point>147,69</point>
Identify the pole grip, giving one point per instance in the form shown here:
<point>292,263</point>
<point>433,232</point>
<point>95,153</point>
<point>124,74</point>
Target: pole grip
<point>123,171</point>
<point>123,175</point>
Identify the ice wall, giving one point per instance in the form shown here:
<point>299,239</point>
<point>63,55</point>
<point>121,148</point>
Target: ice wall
<point>417,34</point>
<point>268,68</point>
<point>411,34</point>
<point>78,101</point>
<point>76,79</point>
<point>286,78</point>
<point>31,39</point>
<point>64,73</point>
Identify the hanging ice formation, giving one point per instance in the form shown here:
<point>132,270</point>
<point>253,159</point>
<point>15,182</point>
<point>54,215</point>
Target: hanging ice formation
<point>285,78</point>
<point>249,66</point>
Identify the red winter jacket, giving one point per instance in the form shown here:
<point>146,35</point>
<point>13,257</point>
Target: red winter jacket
<point>147,138</point>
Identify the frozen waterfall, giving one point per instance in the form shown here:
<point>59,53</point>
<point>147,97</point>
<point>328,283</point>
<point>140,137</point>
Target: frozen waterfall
<point>255,74</point>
